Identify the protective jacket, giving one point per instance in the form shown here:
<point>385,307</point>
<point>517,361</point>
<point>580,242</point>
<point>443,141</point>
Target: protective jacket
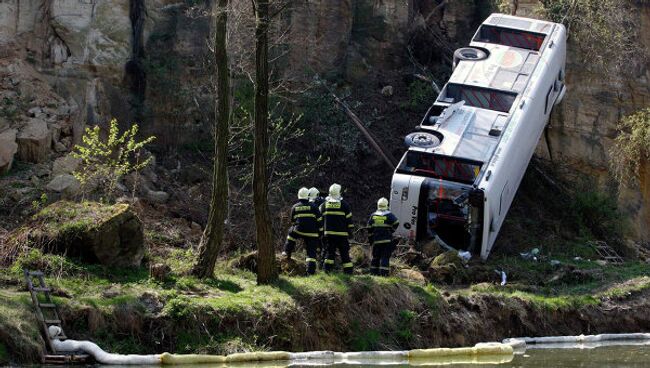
<point>381,226</point>
<point>306,219</point>
<point>337,218</point>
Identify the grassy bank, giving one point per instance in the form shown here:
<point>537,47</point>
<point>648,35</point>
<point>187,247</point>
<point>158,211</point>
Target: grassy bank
<point>128,312</point>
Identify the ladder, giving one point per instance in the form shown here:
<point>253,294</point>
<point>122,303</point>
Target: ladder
<point>47,314</point>
<point>606,252</point>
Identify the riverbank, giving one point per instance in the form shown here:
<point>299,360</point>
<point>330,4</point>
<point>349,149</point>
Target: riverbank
<point>129,312</point>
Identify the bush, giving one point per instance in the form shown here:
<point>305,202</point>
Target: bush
<point>105,161</point>
<point>603,30</point>
<point>421,95</point>
<point>597,213</point>
<point>632,146</point>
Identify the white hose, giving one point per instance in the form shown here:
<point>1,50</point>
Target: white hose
<point>71,346</point>
<point>580,338</point>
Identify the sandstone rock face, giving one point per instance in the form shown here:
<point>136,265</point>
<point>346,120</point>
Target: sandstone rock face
<point>585,124</point>
<point>34,141</point>
<point>97,233</point>
<point>8,149</point>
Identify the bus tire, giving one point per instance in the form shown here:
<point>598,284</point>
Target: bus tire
<point>422,140</point>
<point>468,54</point>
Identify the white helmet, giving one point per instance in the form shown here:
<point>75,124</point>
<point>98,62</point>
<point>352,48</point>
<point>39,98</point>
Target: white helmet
<point>335,191</point>
<point>303,193</point>
<point>313,193</point>
<point>382,204</point>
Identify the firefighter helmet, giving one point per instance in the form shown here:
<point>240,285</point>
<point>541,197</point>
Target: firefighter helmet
<point>303,193</point>
<point>335,191</point>
<point>382,204</point>
<point>313,193</point>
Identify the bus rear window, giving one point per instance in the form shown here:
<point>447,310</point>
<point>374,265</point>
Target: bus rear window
<point>510,37</point>
<point>441,167</point>
<point>480,97</point>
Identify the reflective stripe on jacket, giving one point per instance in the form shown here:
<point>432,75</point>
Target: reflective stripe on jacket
<point>337,218</point>
<point>381,226</point>
<point>306,218</point>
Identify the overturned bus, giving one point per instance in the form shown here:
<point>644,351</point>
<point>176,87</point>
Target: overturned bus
<point>467,157</point>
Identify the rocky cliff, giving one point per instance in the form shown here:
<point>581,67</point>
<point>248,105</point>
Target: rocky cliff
<point>67,63</point>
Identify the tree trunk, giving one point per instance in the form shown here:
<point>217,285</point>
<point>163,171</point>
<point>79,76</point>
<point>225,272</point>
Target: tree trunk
<point>266,267</point>
<point>213,235</point>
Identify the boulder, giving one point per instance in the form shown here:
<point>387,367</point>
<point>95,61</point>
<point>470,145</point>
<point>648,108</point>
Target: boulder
<point>8,149</point>
<point>34,141</point>
<point>157,196</point>
<point>359,256</point>
<point>108,234</point>
<point>387,91</point>
<point>447,268</point>
<point>65,184</point>
<point>65,165</point>
<point>412,275</point>
<point>292,266</point>
<point>432,248</point>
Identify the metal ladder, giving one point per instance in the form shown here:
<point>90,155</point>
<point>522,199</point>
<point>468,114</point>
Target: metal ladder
<point>606,252</point>
<point>47,314</point>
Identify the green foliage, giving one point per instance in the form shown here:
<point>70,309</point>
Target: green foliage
<point>597,213</point>
<point>631,148</point>
<point>53,265</point>
<point>41,202</point>
<point>4,354</point>
<point>603,30</point>
<point>364,339</point>
<point>502,6</point>
<point>421,95</point>
<point>105,161</point>
<point>405,325</point>
<point>330,132</point>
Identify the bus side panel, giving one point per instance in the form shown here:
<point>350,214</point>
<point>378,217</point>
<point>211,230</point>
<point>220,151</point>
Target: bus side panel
<point>515,154</point>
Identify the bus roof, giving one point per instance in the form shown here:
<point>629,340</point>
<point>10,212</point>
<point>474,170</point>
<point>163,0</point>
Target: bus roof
<point>489,87</point>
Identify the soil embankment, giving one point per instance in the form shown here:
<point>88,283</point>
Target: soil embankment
<point>230,314</point>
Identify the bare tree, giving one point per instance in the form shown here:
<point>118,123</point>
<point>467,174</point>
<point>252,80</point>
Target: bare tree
<point>266,263</point>
<point>214,232</point>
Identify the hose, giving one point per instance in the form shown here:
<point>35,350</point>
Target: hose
<point>499,352</point>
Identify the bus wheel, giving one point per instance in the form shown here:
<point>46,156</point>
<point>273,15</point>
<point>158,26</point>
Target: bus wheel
<point>422,140</point>
<point>468,54</point>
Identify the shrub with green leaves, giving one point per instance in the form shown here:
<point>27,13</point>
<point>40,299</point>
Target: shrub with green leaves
<point>105,161</point>
<point>604,31</point>
<point>631,148</point>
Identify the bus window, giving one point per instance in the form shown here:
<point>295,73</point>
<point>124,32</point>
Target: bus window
<point>484,98</point>
<point>510,37</point>
<point>442,167</point>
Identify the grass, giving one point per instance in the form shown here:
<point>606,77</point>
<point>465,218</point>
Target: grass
<point>18,328</point>
<point>231,313</point>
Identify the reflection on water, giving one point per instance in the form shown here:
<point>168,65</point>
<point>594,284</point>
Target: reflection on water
<point>610,356</point>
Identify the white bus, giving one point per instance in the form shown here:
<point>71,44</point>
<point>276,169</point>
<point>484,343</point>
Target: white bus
<point>466,160</point>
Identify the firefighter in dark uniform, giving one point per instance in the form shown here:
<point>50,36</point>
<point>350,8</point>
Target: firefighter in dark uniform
<point>381,225</point>
<point>337,228</point>
<point>306,225</point>
<point>316,199</point>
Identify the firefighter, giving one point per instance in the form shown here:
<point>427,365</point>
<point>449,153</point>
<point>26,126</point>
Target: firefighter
<point>381,225</point>
<point>315,198</point>
<point>337,228</point>
<point>306,224</point>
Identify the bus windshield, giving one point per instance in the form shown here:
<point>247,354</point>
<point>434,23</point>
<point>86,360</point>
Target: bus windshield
<point>442,167</point>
